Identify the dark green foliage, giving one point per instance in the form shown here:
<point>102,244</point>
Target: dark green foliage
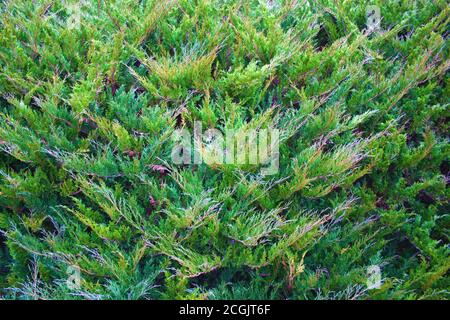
<point>86,117</point>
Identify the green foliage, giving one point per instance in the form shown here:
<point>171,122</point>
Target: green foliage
<point>86,117</point>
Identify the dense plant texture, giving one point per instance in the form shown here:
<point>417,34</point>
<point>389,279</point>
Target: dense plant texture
<point>92,205</point>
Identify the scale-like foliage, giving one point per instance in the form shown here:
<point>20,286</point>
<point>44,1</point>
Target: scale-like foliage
<point>92,92</point>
